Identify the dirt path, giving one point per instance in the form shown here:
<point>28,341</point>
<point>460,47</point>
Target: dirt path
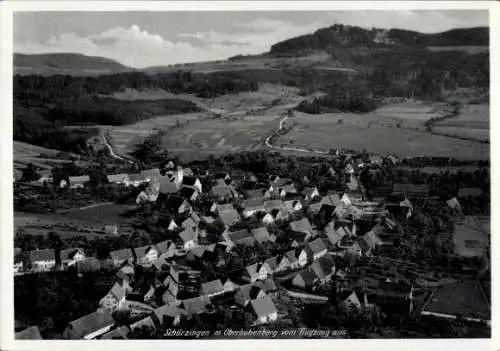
<point>268,141</point>
<point>110,148</point>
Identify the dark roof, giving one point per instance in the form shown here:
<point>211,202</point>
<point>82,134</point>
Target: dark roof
<point>85,325</point>
<point>243,237</point>
<point>174,202</point>
<point>31,333</point>
<point>41,255</point>
<point>323,267</point>
<point>465,192</point>
<point>68,254</point>
<point>189,180</point>
<point>307,275</point>
<point>145,322</point>
<point>187,192</point>
<point>252,204</point>
<point>196,305</point>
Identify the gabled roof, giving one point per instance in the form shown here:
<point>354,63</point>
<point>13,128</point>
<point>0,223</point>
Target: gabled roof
<point>255,193</point>
<point>242,237</point>
<point>308,191</point>
<point>151,174</point>
<point>187,193</point>
<point>31,333</point>
<point>189,180</point>
<point>290,204</point>
<point>145,322</point>
<point>263,306</point>
<point>291,256</point>
<point>143,250</point>
<point>261,234</point>
<point>290,188</point>
<point>174,202</point>
<point>323,267</point>
<point>187,235</point>
<point>164,246</point>
<point>168,185</point>
<point>118,333</point>
<point>369,241</point>
<point>90,323</point>
<point>302,226</point>
<point>221,190</point>
<point>212,287</point>
<point>168,310</point>
<point>307,275</point>
<point>251,270</point>
<point>333,235</point>
<point>117,291</point>
<point>41,255</point>
<point>79,179</point>
<point>196,305</point>
<point>229,216</point>
<point>272,263</point>
<point>225,207</point>
<point>68,254</point>
<point>273,204</point>
<point>253,204</point>
<point>117,177</point>
<point>267,285</point>
<point>316,246</point>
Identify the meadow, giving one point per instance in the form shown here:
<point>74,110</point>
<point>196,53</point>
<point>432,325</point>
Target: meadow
<point>473,122</point>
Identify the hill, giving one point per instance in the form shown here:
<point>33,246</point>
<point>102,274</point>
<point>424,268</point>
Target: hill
<point>341,36</point>
<point>66,63</point>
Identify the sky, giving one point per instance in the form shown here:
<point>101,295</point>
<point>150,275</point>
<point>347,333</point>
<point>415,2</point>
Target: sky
<point>144,39</point>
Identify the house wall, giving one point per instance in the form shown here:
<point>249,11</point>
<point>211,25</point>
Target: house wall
<point>302,259</point>
<point>41,266</point>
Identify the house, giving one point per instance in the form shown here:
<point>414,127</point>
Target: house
<point>352,196</point>
<point>252,206</point>
<point>324,268</point>
<point>293,259</point>
<point>310,193</point>
<point>176,204</point>
<point>120,178</point>
<point>454,204</point>
<point>111,229</point>
<point>137,308</point>
<point>292,206</point>
<point>196,305</point>
<point>190,194</point>
<point>349,168</point>
<point>118,333</point>
<point>90,326</point>
<point>262,271</point>
<point>114,299</point>
<point>305,279</point>
<point>465,299</point>
<point>246,293</point>
<point>221,191</point>
<point>135,179</point>
<point>226,177</point>
<point>118,257</point>
<point>271,205</point>
<point>192,223</point>
<point>145,255</point>
<point>369,242</point>
<point>70,257</point>
<point>18,262</point>
<point>39,260</point>
<point>228,215</point>
<point>469,192</point>
<point>283,263</point>
<point>333,235</point>
<point>212,288</point>
<point>146,322</point>
<point>264,309</point>
<point>287,190</point>
<point>169,184</point>
<point>188,238</point>
<point>166,248</point>
<point>251,273</point>
<point>352,184</point>
<point>151,175</point>
<point>31,333</point>
<point>240,237</point>
<point>78,181</point>
<point>349,299</point>
<point>168,315</point>
<point>271,264</point>
<point>256,194</point>
<point>192,182</point>
<point>302,226</point>
<point>376,159</point>
<point>260,234</point>
<point>315,249</point>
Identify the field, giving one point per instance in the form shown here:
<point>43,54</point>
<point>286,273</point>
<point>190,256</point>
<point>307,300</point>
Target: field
<point>230,123</point>
<point>25,153</point>
<point>88,222</point>
<point>473,122</point>
<point>354,131</point>
<point>471,49</point>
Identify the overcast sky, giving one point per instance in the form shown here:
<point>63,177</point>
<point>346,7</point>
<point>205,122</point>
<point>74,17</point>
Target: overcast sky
<point>141,39</point>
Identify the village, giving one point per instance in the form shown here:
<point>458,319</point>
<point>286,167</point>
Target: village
<point>248,242</point>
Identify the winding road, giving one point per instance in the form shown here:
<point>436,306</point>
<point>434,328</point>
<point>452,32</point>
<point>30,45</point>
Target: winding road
<point>268,141</point>
<point>111,152</point>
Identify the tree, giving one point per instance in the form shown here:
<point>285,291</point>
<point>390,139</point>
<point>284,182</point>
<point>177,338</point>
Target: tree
<point>30,173</point>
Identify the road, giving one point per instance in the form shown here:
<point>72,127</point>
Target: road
<point>268,143</point>
<point>110,148</point>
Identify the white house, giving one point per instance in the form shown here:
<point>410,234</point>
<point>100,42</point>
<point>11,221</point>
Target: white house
<point>264,309</point>
<point>145,255</point>
<point>40,260</point>
<point>114,299</point>
<point>70,257</point>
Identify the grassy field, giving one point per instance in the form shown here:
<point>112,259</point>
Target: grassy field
<point>88,222</point>
<point>25,153</point>
<point>379,135</point>
<point>473,122</point>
